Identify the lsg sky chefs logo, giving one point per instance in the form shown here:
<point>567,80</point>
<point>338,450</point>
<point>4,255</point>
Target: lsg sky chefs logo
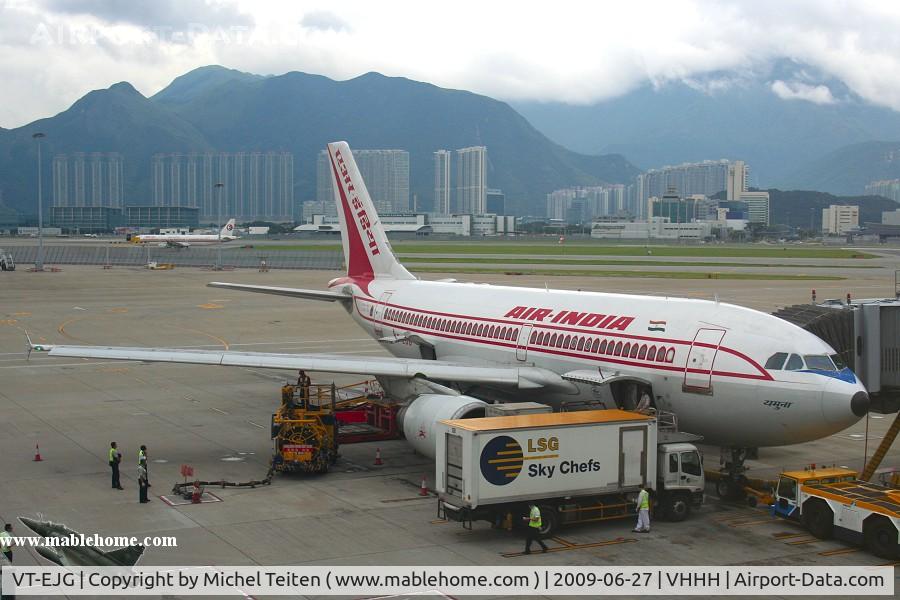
<point>502,458</point>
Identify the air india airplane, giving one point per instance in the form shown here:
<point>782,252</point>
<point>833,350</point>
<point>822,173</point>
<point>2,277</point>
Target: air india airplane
<point>183,240</point>
<point>739,377</point>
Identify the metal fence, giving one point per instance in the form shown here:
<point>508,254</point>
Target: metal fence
<point>130,255</point>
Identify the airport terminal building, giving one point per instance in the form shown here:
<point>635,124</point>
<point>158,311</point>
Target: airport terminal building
<point>425,224</point>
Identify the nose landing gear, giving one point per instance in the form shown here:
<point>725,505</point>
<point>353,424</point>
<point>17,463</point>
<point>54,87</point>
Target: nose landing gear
<point>732,480</point>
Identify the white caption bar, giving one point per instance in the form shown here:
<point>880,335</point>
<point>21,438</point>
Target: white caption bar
<point>519,581</point>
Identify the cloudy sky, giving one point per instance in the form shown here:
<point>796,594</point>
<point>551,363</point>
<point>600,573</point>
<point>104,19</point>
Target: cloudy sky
<point>54,51</point>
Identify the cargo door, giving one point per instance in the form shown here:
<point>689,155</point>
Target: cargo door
<point>522,343</point>
<point>632,456</point>
<point>453,469</point>
<point>699,366</point>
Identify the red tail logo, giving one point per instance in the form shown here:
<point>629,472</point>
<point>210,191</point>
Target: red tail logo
<point>356,220</point>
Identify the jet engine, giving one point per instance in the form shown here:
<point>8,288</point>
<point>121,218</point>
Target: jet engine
<point>417,418</point>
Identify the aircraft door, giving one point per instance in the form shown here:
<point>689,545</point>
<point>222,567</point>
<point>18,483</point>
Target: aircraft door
<point>699,366</point>
<point>380,310</point>
<point>522,342</point>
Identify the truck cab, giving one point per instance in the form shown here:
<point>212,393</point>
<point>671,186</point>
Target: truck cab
<point>6,261</point>
<point>680,479</point>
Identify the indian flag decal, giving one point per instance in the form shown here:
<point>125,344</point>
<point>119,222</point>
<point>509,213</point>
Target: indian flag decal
<point>656,326</point>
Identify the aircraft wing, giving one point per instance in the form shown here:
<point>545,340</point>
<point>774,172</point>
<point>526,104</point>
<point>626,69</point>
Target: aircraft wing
<point>524,377</point>
<point>283,291</point>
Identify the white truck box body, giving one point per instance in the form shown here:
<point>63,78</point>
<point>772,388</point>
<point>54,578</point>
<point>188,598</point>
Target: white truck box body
<point>507,459</point>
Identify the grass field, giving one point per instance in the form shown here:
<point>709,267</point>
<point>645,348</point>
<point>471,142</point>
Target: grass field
<point>636,274</point>
<point>503,248</point>
<point>614,262</point>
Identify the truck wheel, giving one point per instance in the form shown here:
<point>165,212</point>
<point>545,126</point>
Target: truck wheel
<point>818,519</point>
<point>549,520</point>
<point>881,538</point>
<point>677,507</point>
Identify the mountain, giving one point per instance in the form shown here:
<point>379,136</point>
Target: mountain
<point>725,115</point>
<point>118,119</point>
<point>848,169</point>
<point>214,108</point>
<point>803,209</point>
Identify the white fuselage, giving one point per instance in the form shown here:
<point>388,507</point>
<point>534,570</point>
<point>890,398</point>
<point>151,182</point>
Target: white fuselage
<point>189,239</point>
<point>703,359</point>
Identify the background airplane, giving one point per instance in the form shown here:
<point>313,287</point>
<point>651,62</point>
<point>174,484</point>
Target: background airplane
<point>184,240</point>
<point>739,377</point>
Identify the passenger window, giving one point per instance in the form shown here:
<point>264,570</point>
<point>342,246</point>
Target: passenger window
<point>673,463</point>
<point>690,463</point>
<point>787,488</point>
<point>794,363</point>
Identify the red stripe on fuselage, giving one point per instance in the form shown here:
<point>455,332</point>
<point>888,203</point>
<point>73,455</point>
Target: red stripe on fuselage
<point>764,375</point>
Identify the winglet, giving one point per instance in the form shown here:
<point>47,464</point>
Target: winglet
<point>31,346</point>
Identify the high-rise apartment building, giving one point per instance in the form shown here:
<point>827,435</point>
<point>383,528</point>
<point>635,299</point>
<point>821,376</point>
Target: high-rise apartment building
<point>385,172</point>
<point>838,219</point>
<point>707,178</point>
<point>88,179</point>
<point>888,188</point>
<point>257,185</point>
<point>442,182</point>
<point>471,180</point>
<point>757,206</point>
<point>589,202</point>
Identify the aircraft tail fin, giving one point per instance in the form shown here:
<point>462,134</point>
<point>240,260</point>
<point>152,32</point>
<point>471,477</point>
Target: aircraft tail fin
<point>367,252</point>
<point>228,230</point>
<point>126,556</point>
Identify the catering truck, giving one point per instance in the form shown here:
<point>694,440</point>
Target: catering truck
<point>576,466</point>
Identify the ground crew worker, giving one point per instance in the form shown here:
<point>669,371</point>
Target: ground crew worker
<point>643,509</point>
<point>534,528</point>
<point>115,457</point>
<point>6,542</point>
<point>142,484</point>
<point>142,460</point>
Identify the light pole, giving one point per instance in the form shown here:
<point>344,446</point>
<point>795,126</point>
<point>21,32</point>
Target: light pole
<point>39,263</point>
<point>219,185</point>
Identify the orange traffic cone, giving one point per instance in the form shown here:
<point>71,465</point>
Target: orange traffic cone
<point>423,491</point>
<point>378,461</point>
<point>37,453</point>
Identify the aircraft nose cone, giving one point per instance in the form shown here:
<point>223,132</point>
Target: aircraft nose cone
<point>859,404</point>
<point>844,403</point>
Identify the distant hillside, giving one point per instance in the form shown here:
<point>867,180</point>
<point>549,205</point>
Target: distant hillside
<point>847,170</point>
<point>803,209</point>
<point>214,108</point>
<point>723,115</point>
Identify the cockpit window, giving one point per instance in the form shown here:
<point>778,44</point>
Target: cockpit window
<point>818,362</point>
<point>838,362</point>
<point>776,361</point>
<point>794,363</point>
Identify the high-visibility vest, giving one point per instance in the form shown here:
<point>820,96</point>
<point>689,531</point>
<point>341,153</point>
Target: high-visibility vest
<point>112,455</point>
<point>141,456</point>
<point>535,517</point>
<point>644,500</point>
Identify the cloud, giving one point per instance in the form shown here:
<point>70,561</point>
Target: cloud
<point>565,51</point>
<point>797,90</point>
<point>174,14</point>
<point>324,20</point>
